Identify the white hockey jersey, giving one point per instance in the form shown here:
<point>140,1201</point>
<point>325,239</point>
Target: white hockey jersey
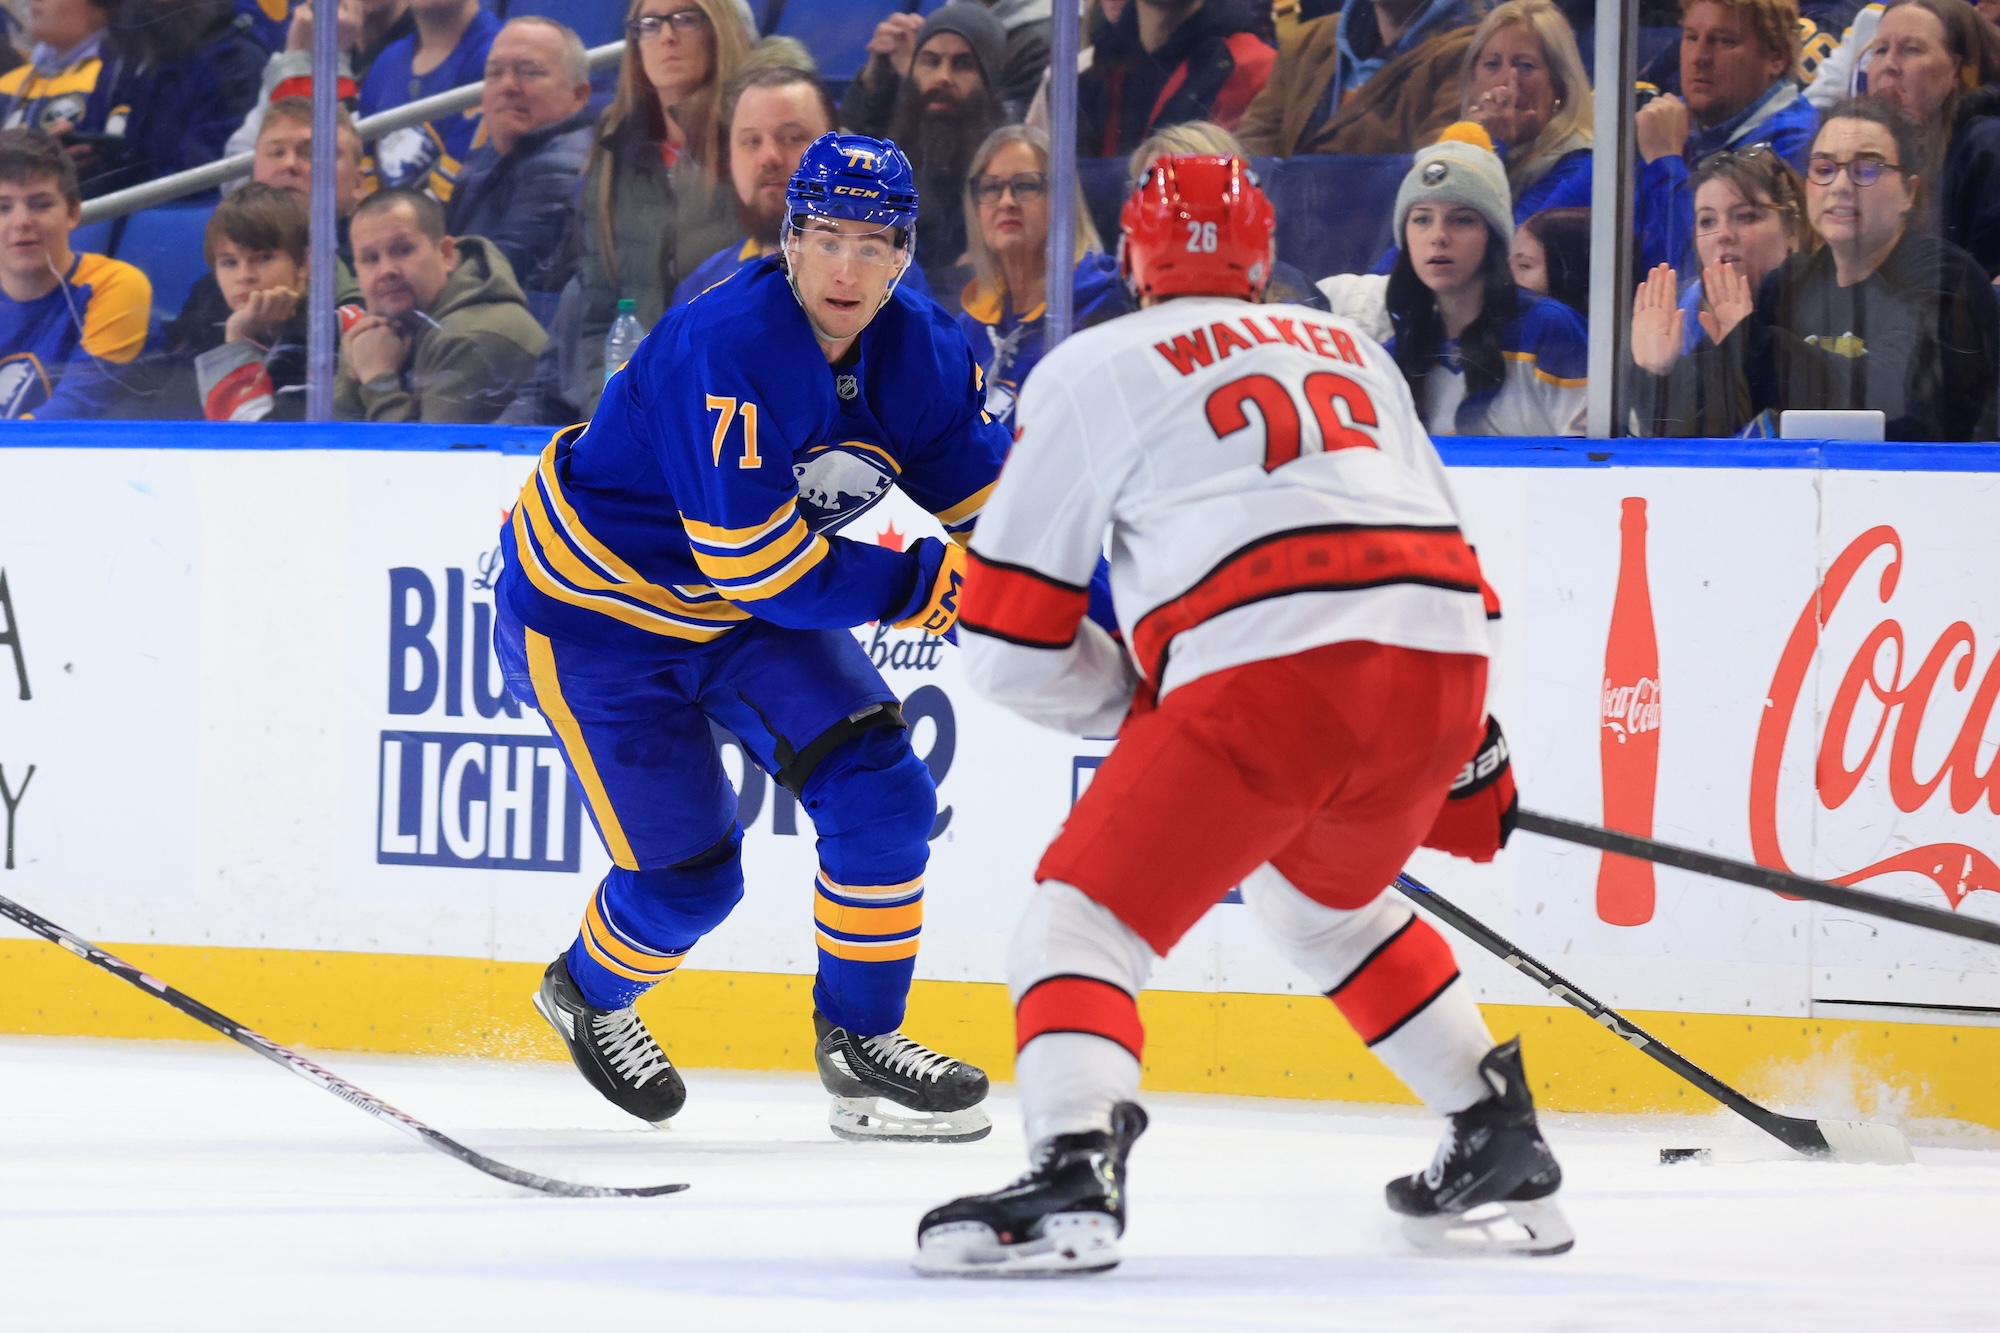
<point>1267,488</point>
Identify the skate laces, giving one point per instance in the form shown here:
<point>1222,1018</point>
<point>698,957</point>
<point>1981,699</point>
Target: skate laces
<point>1434,1173</point>
<point>900,1055</point>
<point>629,1047</point>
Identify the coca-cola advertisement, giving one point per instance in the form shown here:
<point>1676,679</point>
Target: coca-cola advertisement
<point>1629,741</point>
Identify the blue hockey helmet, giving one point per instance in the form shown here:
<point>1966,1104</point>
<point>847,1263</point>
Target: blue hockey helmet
<point>855,177</point>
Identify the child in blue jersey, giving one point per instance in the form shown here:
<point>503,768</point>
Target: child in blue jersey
<point>675,565</point>
<point>1482,357</point>
<point>453,41</point>
<point>70,324</point>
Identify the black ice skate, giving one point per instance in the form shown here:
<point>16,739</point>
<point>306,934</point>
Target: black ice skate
<point>1061,1219</point>
<point>612,1048</point>
<point>890,1087</point>
<point>1490,1188</point>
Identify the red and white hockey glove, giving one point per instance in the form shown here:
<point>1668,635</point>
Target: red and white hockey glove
<point>1480,811</point>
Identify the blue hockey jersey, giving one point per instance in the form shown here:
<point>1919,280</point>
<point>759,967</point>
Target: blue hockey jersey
<point>722,460</point>
<point>62,354</point>
<point>427,156</point>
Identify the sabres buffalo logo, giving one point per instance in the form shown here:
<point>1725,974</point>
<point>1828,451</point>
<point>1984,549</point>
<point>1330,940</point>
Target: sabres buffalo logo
<point>839,482</point>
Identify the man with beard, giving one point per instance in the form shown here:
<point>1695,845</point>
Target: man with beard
<point>939,114</point>
<point>778,111</point>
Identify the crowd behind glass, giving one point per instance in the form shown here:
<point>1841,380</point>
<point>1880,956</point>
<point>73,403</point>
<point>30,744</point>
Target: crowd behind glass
<point>1816,194</point>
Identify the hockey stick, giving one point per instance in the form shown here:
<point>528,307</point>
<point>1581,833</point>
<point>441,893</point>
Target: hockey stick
<point>1841,1140</point>
<point>1761,877</point>
<point>321,1078</point>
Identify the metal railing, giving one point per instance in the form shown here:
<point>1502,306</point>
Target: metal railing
<point>199,180</point>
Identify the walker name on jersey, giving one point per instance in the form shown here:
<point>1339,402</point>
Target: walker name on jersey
<point>448,798</point>
<point>476,802</point>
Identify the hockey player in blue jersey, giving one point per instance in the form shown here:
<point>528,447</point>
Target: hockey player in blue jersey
<point>676,562</point>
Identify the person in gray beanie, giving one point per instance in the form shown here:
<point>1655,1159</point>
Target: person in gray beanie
<point>938,113</point>
<point>1482,357</point>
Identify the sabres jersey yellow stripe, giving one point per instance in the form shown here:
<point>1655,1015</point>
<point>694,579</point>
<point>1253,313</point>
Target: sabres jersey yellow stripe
<point>727,568</point>
<point>802,564</point>
<point>710,535</point>
<point>546,582</point>
<point>566,563</point>
<point>967,507</point>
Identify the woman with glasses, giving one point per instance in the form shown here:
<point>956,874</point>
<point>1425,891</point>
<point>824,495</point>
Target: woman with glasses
<point>1749,215</point>
<point>1884,316</point>
<point>1007,226</point>
<point>656,196</point>
<point>1938,61</point>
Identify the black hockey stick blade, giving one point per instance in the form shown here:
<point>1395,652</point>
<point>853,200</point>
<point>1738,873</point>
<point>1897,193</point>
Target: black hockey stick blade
<point>1837,1140</point>
<point>1761,877</point>
<point>326,1079</point>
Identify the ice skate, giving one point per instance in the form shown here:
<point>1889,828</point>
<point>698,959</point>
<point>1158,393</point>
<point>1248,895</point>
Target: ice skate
<point>1491,1187</point>
<point>890,1087</point>
<point>1061,1219</point>
<point>612,1048</point>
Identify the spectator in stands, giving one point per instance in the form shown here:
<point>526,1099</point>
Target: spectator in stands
<point>1482,356</point>
<point>1884,316</point>
<point>1938,62</point>
<point>1168,61</point>
<point>447,336</point>
<point>1379,76</point>
<point>1097,16</point>
<point>518,189</point>
<point>256,246</point>
<point>367,28</point>
<point>184,76</point>
<point>283,161</point>
<point>939,115</point>
<point>69,324</point>
<point>1738,61</point>
<point>53,90</point>
<point>1016,73</point>
<point>447,50</point>
<point>1551,257</point>
<point>1007,218</point>
<point>655,199</point>
<point>775,112</point>
<point>1026,23</point>
<point>1750,215</point>
<point>1524,83</point>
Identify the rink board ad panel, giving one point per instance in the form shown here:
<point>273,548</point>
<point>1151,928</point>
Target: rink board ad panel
<point>248,708</point>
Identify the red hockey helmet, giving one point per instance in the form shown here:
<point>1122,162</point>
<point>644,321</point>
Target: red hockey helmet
<point>1197,226</point>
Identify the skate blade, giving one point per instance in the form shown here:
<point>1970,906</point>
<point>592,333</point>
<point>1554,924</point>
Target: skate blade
<point>879,1120</point>
<point>1530,1229</point>
<point>1071,1245</point>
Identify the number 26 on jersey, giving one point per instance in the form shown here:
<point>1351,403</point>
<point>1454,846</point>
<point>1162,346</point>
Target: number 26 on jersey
<point>1341,409</point>
<point>731,411</point>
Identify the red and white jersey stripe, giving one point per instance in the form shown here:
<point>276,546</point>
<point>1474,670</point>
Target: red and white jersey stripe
<point>1265,486</point>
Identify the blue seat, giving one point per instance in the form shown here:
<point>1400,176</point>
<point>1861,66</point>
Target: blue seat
<point>835,31</point>
<point>165,243</point>
<point>92,238</point>
<point>596,21</point>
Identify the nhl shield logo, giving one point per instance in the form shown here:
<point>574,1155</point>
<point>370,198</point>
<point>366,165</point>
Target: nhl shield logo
<point>847,387</point>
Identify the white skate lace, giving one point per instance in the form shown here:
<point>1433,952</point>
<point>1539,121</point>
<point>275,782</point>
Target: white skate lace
<point>900,1055</point>
<point>631,1049</point>
<point>1434,1173</point>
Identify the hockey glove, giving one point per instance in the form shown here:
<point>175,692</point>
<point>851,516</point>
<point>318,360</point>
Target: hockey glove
<point>1481,809</point>
<point>933,605</point>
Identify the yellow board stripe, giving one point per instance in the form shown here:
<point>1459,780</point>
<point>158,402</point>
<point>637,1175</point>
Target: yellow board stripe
<point>868,920</point>
<point>887,952</point>
<point>967,507</point>
<point>549,697</point>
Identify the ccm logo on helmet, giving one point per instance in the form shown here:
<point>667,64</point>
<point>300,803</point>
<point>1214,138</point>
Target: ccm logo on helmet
<point>857,190</point>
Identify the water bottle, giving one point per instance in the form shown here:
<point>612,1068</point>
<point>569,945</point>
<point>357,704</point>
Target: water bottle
<point>623,340</point>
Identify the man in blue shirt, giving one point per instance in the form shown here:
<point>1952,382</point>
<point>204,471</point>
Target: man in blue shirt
<point>447,51</point>
<point>674,566</point>
<point>1739,62</point>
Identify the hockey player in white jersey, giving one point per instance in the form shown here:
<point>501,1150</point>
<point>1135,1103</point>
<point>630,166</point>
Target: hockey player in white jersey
<point>1299,699</point>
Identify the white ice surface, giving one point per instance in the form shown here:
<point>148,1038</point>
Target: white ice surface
<point>164,1186</point>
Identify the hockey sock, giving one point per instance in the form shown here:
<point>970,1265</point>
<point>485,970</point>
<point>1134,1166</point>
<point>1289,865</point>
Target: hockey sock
<point>640,924</point>
<point>1075,971</point>
<point>610,967</point>
<point>868,937</point>
<point>1392,977</point>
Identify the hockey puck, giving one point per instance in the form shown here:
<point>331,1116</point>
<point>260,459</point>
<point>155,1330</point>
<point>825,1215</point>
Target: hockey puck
<point>1671,1156</point>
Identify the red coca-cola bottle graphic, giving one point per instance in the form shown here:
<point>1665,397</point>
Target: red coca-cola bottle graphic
<point>1629,740</point>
